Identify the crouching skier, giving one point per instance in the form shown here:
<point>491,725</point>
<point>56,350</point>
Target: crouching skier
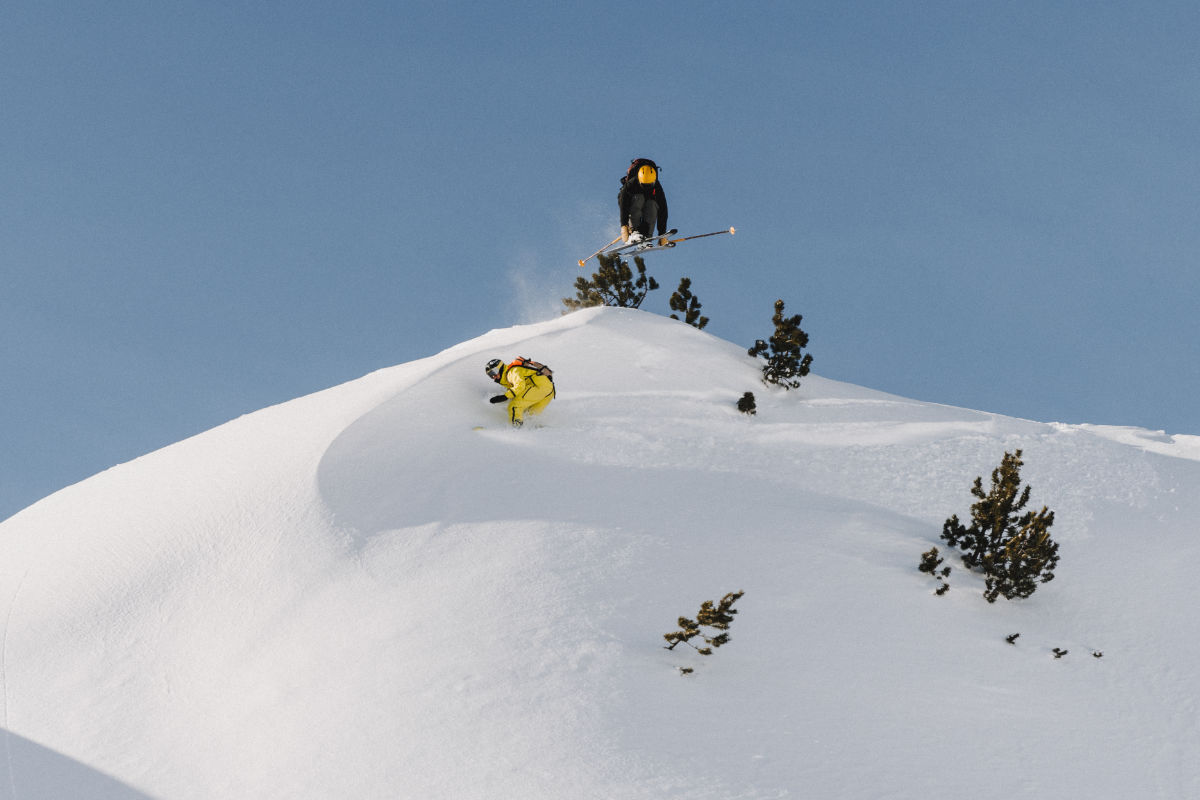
<point>642,202</point>
<point>530,387</point>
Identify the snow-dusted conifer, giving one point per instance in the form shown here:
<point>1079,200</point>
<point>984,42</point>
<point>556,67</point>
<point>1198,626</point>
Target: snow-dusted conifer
<point>786,363</point>
<point>1013,550</point>
<point>684,301</point>
<point>716,617</point>
<point>930,561</point>
<point>612,285</point>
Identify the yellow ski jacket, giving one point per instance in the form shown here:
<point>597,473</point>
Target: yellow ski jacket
<point>525,383</point>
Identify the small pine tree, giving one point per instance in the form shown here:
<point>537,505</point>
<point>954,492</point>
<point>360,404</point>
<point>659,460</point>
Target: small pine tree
<point>718,618</point>
<point>785,365</point>
<point>612,285</point>
<point>746,404</point>
<point>1013,550</point>
<point>684,301</point>
<point>930,561</point>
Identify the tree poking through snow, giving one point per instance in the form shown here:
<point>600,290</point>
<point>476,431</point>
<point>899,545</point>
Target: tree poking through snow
<point>931,562</point>
<point>786,361</point>
<point>1014,551</point>
<point>684,301</point>
<point>711,625</point>
<point>747,405</point>
<point>613,284</point>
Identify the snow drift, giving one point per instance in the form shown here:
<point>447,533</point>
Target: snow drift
<point>357,595</point>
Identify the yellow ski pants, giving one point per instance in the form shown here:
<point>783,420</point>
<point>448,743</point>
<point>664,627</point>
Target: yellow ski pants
<point>538,391</point>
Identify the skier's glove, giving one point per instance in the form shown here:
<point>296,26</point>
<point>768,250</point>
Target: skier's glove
<point>500,398</point>
<point>625,233</point>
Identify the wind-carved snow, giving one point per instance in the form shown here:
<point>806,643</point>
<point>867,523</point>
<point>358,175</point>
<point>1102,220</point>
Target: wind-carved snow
<point>357,594</point>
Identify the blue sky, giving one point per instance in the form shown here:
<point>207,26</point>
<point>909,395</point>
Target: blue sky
<point>213,207</point>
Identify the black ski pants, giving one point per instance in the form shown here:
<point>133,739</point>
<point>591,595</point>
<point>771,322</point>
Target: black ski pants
<point>643,214</point>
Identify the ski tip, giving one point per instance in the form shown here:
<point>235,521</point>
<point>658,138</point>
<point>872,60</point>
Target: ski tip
<point>732,229</point>
<point>581,262</point>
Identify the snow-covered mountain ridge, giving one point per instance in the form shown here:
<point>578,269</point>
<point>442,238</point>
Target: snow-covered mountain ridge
<point>357,595</point>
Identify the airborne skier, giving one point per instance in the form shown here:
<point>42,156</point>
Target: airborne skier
<point>641,201</point>
<point>642,205</point>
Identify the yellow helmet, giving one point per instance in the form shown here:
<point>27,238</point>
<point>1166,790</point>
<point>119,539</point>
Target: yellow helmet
<point>647,174</point>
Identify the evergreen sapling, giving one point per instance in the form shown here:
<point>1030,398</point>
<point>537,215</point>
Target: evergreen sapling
<point>685,302</point>
<point>1013,550</point>
<point>716,618</point>
<point>786,363</point>
<point>930,561</point>
<point>747,405</point>
<point>613,284</point>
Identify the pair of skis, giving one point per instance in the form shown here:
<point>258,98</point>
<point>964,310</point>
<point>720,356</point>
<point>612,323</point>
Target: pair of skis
<point>649,243</point>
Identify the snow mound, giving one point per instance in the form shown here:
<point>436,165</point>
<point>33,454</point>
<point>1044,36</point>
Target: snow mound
<point>357,594</point>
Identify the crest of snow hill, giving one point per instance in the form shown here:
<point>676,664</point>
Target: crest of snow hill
<point>355,594</point>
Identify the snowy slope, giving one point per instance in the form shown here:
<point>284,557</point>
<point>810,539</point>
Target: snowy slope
<point>356,595</point>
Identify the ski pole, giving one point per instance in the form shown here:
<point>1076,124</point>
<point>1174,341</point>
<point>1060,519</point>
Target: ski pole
<point>702,235</point>
<point>598,252</point>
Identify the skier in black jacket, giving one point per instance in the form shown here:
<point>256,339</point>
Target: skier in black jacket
<point>642,201</point>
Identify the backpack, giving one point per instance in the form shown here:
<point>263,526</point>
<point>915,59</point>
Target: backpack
<point>634,166</point>
<point>537,367</point>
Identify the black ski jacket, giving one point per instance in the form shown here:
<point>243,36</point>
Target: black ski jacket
<point>630,188</point>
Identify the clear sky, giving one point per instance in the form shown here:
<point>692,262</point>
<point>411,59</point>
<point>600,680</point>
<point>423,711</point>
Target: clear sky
<point>211,207</point>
